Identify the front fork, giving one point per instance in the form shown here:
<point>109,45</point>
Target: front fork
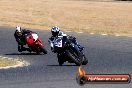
<point>39,41</point>
<point>75,49</point>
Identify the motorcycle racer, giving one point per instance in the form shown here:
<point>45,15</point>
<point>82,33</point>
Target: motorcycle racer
<point>20,38</point>
<point>55,31</point>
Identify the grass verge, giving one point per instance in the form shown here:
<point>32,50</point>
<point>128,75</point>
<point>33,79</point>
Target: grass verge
<point>8,62</point>
<point>70,15</point>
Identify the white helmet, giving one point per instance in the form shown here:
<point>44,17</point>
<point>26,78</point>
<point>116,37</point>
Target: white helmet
<point>18,28</point>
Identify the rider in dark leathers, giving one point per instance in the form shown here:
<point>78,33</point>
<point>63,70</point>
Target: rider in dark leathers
<point>20,38</point>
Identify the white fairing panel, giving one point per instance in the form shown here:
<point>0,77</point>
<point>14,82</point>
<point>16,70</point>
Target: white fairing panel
<point>64,34</point>
<point>35,36</point>
<point>52,45</point>
<point>58,42</point>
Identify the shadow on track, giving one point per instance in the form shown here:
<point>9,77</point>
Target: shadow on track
<point>23,54</point>
<point>60,66</point>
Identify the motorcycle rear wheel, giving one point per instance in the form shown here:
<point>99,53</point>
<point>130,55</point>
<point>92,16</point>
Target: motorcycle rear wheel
<point>60,60</point>
<point>85,61</point>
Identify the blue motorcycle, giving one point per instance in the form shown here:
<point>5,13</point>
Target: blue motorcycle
<point>67,50</point>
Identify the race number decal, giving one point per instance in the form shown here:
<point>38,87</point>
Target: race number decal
<point>35,36</point>
<point>59,43</point>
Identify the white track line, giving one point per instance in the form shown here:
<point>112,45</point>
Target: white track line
<point>79,32</point>
<point>100,34</point>
<point>104,34</point>
<point>91,33</point>
<point>117,35</point>
<point>68,31</point>
<point>130,36</point>
<point>20,63</point>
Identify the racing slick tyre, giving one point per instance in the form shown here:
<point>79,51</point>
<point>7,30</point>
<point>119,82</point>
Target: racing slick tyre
<point>85,61</point>
<point>43,49</point>
<point>74,59</point>
<point>60,61</point>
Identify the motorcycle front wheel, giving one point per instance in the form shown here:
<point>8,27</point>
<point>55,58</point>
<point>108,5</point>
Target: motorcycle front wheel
<point>42,49</point>
<point>74,59</point>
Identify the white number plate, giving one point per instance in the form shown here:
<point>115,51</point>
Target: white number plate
<point>58,43</point>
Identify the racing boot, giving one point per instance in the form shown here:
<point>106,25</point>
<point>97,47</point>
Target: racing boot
<point>24,48</point>
<point>80,47</point>
<point>19,48</point>
<point>28,49</point>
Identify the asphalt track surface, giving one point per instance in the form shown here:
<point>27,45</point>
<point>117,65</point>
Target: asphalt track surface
<point>106,54</point>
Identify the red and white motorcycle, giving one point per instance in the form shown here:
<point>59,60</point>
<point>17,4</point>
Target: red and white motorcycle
<point>35,43</point>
